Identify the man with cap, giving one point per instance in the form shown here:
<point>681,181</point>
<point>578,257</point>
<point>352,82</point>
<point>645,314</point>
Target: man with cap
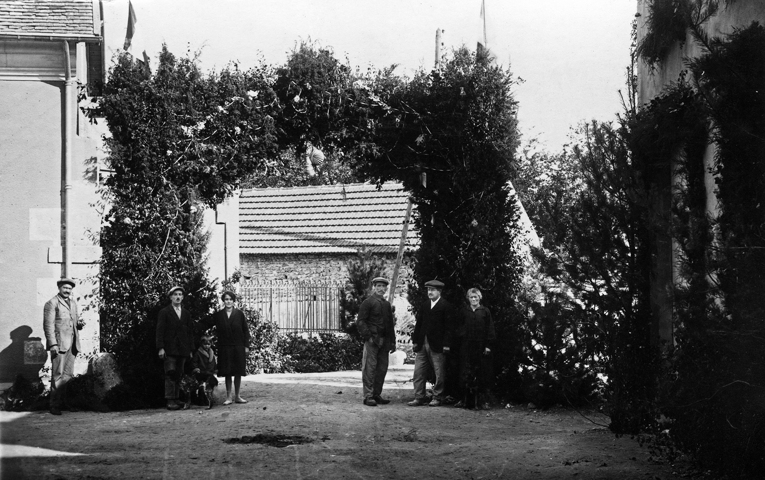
<point>175,343</point>
<point>430,340</point>
<point>61,323</point>
<point>376,327</point>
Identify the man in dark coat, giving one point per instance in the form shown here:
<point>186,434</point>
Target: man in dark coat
<point>431,341</point>
<point>376,327</point>
<point>175,343</point>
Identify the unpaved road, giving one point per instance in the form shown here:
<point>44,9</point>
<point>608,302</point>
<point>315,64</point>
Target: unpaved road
<point>343,439</point>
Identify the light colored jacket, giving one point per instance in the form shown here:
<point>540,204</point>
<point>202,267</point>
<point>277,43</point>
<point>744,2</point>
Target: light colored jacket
<point>60,322</point>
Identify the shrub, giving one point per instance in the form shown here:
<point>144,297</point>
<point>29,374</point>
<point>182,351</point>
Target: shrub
<point>325,352</point>
<point>560,367</point>
<point>265,353</point>
<point>81,393</point>
<point>22,395</point>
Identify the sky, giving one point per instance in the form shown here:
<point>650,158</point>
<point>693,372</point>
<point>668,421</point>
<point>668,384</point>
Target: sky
<point>570,54</point>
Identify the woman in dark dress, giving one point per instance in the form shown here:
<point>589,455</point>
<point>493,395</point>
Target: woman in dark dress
<point>233,345</point>
<point>476,334</point>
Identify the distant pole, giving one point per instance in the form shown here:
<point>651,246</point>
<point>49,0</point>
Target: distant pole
<point>401,245</point>
<point>438,47</point>
<point>483,22</point>
<point>482,46</point>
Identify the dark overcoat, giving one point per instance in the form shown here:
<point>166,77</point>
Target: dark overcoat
<point>476,328</point>
<point>231,331</point>
<point>376,321</point>
<point>175,335</point>
<point>436,324</point>
<point>233,337</point>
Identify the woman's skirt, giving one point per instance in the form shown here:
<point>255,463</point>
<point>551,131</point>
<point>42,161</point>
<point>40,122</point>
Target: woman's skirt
<point>232,361</point>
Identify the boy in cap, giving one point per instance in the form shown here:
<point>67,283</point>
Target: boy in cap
<point>175,343</point>
<point>376,327</point>
<point>430,340</point>
<point>61,323</point>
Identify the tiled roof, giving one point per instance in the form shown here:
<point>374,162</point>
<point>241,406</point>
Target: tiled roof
<point>72,18</point>
<point>323,219</point>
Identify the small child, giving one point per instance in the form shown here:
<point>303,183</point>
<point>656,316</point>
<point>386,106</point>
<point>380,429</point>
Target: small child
<point>205,367</point>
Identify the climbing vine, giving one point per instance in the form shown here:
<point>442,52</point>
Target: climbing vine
<point>717,363</point>
<point>668,22</point>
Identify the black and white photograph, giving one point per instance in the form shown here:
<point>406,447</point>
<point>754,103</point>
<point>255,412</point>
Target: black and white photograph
<point>382,239</point>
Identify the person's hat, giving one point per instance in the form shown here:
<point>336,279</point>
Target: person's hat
<point>380,280</point>
<point>228,292</point>
<point>434,284</point>
<point>174,289</point>
<point>67,281</point>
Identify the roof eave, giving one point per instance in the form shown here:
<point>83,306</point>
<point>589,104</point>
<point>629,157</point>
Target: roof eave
<point>50,37</point>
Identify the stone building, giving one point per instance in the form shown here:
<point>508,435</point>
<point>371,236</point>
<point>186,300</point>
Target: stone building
<point>310,233</point>
<point>49,175</point>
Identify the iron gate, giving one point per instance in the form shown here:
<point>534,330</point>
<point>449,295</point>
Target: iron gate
<point>295,306</point>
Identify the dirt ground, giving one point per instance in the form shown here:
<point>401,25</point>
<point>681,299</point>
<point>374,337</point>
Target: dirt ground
<point>315,426</point>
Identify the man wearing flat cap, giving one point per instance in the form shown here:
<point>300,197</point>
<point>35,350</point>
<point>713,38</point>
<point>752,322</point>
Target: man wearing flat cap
<point>430,340</point>
<point>376,327</point>
<point>175,344</point>
<point>61,323</point>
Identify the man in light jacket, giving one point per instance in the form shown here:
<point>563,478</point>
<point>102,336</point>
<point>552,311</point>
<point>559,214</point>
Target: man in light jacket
<point>61,323</point>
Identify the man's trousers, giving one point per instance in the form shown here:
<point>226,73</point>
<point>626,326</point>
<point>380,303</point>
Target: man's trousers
<point>374,367</point>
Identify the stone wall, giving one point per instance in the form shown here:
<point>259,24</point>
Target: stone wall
<point>293,267</point>
<point>320,267</point>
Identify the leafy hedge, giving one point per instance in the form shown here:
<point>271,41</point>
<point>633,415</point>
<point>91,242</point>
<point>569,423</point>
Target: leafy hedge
<point>276,352</point>
<point>179,141</point>
<point>325,352</point>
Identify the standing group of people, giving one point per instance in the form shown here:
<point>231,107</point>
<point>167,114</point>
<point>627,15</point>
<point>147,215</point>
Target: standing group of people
<point>439,330</point>
<point>175,344</point>
<point>174,341</point>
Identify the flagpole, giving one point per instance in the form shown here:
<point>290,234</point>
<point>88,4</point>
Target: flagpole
<point>483,18</point>
<point>438,47</point>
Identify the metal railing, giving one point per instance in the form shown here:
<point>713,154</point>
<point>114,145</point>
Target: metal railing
<point>295,306</point>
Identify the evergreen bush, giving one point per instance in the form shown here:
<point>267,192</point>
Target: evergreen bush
<point>450,137</point>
